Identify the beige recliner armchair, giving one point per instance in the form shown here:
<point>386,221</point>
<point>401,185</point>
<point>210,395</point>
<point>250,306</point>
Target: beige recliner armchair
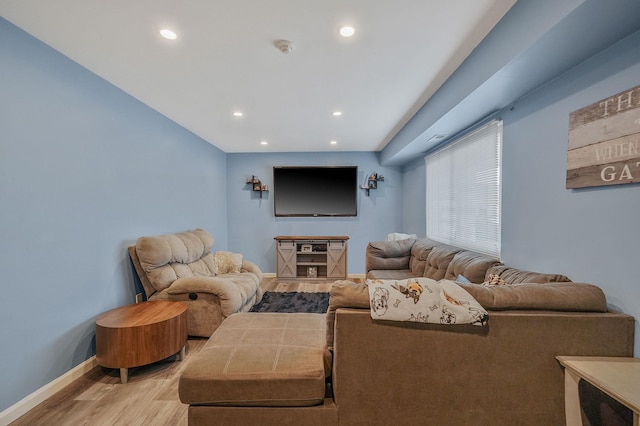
<point>182,267</point>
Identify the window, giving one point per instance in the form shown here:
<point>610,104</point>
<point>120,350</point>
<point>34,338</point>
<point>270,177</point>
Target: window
<point>463,191</point>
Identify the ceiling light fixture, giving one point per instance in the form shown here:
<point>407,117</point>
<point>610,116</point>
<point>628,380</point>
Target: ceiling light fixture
<point>264,143</point>
<point>336,113</point>
<point>333,142</point>
<point>238,114</point>
<point>168,34</point>
<point>285,46</point>
<point>346,31</point>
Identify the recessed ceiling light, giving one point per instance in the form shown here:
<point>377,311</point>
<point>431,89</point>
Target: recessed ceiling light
<point>333,142</point>
<point>346,31</point>
<point>168,34</point>
<point>336,113</point>
<point>264,143</point>
<point>238,114</point>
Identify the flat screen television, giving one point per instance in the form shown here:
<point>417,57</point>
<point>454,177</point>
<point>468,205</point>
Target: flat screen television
<point>310,191</point>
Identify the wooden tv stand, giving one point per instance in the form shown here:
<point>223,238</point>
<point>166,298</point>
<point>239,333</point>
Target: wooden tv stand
<point>311,257</point>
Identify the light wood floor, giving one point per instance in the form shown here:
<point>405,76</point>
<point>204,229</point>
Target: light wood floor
<point>271,284</point>
<point>149,398</point>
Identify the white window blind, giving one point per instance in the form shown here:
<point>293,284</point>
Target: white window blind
<point>464,191</point>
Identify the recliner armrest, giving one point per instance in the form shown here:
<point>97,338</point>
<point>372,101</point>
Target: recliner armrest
<point>248,266</point>
<point>227,292</point>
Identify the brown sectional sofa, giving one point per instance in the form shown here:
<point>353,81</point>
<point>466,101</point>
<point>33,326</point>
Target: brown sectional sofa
<point>383,372</point>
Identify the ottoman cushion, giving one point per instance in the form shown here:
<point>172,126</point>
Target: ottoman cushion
<point>259,359</point>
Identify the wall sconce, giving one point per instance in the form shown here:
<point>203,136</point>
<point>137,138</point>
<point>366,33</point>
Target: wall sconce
<point>372,182</point>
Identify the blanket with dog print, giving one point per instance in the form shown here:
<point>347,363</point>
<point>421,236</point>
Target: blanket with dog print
<point>424,300</point>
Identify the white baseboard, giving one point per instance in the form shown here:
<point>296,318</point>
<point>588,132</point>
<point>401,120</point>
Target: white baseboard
<point>30,401</point>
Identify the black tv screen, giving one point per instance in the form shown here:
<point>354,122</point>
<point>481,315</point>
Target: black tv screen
<point>315,191</point>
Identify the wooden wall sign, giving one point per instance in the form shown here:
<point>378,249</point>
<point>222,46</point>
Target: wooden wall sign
<point>604,142</point>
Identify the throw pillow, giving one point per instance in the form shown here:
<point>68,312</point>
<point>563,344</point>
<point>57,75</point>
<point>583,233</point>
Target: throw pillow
<point>228,262</point>
<point>494,279</point>
<point>462,279</point>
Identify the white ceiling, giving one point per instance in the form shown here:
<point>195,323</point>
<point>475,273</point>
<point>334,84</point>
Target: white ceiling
<point>225,60</point>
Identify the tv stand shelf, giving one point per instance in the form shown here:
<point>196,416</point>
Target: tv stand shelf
<point>311,257</point>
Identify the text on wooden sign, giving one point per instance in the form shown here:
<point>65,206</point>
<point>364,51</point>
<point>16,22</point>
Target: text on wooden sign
<point>604,142</point>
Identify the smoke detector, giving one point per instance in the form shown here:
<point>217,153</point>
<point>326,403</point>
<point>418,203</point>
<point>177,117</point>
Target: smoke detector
<point>285,46</point>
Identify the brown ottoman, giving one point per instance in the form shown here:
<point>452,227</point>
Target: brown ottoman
<point>261,360</point>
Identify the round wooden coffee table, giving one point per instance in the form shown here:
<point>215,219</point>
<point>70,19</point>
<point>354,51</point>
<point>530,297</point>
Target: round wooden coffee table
<point>139,334</point>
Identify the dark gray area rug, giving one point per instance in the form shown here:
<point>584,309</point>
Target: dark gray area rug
<point>293,301</point>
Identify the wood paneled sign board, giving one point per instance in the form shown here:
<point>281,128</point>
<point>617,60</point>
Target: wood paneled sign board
<point>604,142</point>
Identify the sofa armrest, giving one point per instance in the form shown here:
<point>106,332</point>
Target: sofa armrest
<point>344,294</point>
<point>557,296</point>
<point>388,254</point>
<point>227,292</point>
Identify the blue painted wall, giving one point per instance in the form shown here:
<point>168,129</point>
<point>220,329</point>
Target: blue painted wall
<point>591,235</point>
<point>84,170</point>
<point>252,225</point>
<point>588,234</point>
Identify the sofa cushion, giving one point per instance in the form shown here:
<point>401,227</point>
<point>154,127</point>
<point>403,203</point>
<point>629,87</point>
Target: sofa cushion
<point>473,266</point>
<point>422,247</point>
<point>168,257</point>
<point>419,254</point>
<point>388,254</point>
<point>260,359</point>
<point>438,261</point>
<point>515,276</point>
